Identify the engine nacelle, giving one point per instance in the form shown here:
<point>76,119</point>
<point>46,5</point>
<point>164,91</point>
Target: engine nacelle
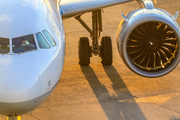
<point>148,42</point>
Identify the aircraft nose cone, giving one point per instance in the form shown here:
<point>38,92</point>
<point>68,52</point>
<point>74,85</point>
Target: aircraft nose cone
<point>18,83</point>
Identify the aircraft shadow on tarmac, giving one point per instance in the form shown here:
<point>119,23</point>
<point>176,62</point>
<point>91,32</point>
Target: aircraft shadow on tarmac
<point>113,109</point>
<point>174,118</point>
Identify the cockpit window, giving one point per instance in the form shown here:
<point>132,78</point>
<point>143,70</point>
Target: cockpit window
<point>49,38</point>
<point>42,41</point>
<point>24,43</point>
<point>4,45</point>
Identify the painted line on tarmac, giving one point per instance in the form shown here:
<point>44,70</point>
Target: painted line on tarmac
<point>160,99</point>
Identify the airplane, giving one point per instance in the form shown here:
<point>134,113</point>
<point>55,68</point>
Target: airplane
<point>32,46</point>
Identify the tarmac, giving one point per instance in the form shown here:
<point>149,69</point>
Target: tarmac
<point>113,92</point>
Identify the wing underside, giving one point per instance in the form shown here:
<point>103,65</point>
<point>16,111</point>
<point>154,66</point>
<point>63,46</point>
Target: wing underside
<point>71,8</point>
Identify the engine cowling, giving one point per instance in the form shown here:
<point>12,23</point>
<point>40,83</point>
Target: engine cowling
<point>148,42</point>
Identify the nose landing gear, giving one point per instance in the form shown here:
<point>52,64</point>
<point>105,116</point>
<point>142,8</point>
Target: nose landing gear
<point>106,50</point>
<point>86,51</point>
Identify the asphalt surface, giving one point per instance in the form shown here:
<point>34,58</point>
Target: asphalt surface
<point>100,92</point>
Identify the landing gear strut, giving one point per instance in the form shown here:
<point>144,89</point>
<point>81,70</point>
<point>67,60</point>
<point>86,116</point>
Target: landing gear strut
<point>85,51</point>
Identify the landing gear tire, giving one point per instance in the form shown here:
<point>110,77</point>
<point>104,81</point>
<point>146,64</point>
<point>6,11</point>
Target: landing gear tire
<point>106,50</point>
<point>84,51</point>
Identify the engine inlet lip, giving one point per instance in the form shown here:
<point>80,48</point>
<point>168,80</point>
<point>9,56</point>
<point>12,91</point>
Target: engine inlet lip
<point>171,24</point>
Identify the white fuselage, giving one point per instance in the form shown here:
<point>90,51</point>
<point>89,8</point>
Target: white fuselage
<point>28,78</point>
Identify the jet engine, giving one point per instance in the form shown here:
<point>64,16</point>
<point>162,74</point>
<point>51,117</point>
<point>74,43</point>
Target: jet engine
<point>148,41</point>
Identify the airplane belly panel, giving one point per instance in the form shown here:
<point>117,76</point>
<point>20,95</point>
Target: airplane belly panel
<point>20,108</point>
